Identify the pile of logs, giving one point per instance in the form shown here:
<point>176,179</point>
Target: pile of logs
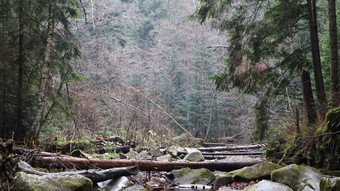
<point>222,152</point>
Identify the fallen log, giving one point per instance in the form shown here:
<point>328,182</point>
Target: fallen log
<point>213,149</point>
<point>232,154</point>
<point>95,176</point>
<point>144,165</point>
<point>207,144</point>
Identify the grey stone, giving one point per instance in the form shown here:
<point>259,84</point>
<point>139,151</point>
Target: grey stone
<point>155,153</point>
<point>165,158</point>
<point>194,155</point>
<point>193,176</point>
<point>30,182</point>
<point>132,154</point>
<point>114,184</point>
<point>258,171</point>
<point>298,177</point>
<point>143,155</point>
<point>266,185</point>
<point>136,188</point>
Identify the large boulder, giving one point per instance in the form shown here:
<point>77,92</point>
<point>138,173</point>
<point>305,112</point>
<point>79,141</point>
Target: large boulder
<point>29,182</point>
<point>266,185</point>
<point>193,176</point>
<point>298,177</point>
<point>258,171</point>
<point>330,184</point>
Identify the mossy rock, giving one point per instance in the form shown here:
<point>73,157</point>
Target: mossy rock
<point>297,177</point>
<point>258,171</point>
<point>333,120</point>
<point>193,176</point>
<point>330,184</point>
<point>266,185</point>
<point>136,188</point>
<point>223,180</point>
<point>29,182</point>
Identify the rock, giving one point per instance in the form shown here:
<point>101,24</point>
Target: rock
<point>298,177</point>
<point>194,155</point>
<point>172,150</point>
<point>193,176</point>
<point>266,185</point>
<point>156,182</point>
<point>115,184</point>
<point>330,184</point>
<point>223,180</point>
<point>155,153</point>
<point>29,182</point>
<point>115,139</point>
<point>258,171</point>
<point>80,153</point>
<point>165,158</point>
<point>132,154</point>
<point>136,188</point>
<point>144,155</point>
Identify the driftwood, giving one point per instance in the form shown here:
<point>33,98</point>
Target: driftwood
<point>95,176</point>
<point>213,149</point>
<point>145,165</point>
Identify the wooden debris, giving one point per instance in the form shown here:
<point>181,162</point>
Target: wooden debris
<point>213,149</point>
<point>95,176</point>
<point>144,165</point>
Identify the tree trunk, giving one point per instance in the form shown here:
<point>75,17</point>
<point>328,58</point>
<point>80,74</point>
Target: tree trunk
<point>45,75</point>
<point>334,57</point>
<point>319,85</point>
<point>20,131</point>
<point>213,149</point>
<point>4,106</point>
<point>144,165</point>
<point>95,176</point>
<point>308,98</point>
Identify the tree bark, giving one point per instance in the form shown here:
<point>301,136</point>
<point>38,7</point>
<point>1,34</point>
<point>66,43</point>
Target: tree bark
<point>213,149</point>
<point>308,98</point>
<point>45,75</point>
<point>231,154</point>
<point>319,84</point>
<point>95,176</point>
<point>334,57</point>
<point>20,131</point>
<point>144,165</point>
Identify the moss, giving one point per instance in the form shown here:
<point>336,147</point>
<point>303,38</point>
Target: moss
<point>333,120</point>
<point>28,182</point>
<point>330,184</point>
<point>289,175</point>
<point>257,171</point>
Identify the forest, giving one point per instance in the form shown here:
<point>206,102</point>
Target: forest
<point>151,74</point>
